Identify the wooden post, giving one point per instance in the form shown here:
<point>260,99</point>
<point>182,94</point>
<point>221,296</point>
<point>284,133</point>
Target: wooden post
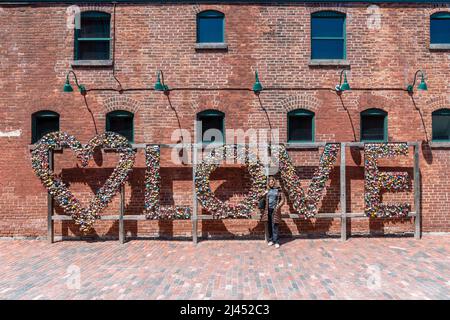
<point>266,231</point>
<point>194,192</point>
<point>417,192</point>
<point>122,211</point>
<point>343,194</point>
<point>269,155</point>
<point>50,223</point>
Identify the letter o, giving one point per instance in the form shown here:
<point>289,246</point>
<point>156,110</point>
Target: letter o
<point>206,196</point>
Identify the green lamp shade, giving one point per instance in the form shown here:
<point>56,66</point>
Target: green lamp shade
<point>159,86</point>
<point>422,85</point>
<point>67,86</point>
<point>82,89</point>
<point>257,87</point>
<point>345,86</point>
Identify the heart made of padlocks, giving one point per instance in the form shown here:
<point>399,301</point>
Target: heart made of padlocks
<point>85,217</point>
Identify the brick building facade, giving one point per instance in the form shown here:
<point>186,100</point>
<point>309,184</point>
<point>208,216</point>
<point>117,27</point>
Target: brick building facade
<point>37,51</point>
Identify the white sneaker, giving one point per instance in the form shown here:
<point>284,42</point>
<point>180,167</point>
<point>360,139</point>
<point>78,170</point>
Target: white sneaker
<point>277,245</point>
<point>270,243</point>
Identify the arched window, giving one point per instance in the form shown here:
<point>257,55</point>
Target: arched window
<point>374,125</point>
<point>300,126</point>
<point>440,28</point>
<point>92,40</point>
<point>121,122</point>
<point>43,122</point>
<point>211,126</point>
<point>441,125</point>
<point>328,36</point>
<point>210,27</point>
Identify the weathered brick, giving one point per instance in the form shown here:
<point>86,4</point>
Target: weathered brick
<point>36,49</point>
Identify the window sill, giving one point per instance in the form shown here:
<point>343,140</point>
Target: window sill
<point>211,144</point>
<point>211,46</point>
<point>305,144</point>
<point>436,46</point>
<point>329,62</point>
<point>92,63</point>
<point>440,144</point>
<point>374,141</point>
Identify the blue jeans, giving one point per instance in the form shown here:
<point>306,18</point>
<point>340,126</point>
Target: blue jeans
<point>273,228</point>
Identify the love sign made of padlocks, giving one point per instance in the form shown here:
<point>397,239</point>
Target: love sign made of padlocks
<point>304,203</point>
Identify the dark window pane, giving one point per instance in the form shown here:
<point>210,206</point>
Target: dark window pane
<point>43,125</point>
<point>372,128</point>
<point>93,50</point>
<point>440,30</point>
<point>211,122</point>
<point>441,126</point>
<point>327,27</point>
<point>122,125</point>
<point>210,30</point>
<point>95,28</point>
<point>327,49</point>
<point>300,128</point>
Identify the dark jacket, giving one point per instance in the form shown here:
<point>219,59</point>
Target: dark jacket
<point>264,207</point>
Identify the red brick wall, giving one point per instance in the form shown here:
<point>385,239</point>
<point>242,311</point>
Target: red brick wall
<point>36,49</point>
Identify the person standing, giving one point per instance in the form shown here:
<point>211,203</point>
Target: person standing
<point>270,206</point>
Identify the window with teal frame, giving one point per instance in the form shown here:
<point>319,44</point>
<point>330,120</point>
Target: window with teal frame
<point>93,39</point>
<point>300,126</point>
<point>212,124</point>
<point>440,28</point>
<point>441,125</point>
<point>328,35</point>
<point>43,122</point>
<point>121,122</point>
<point>210,27</point>
<point>374,125</point>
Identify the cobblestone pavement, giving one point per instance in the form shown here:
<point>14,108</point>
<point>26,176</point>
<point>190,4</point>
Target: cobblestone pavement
<point>361,268</point>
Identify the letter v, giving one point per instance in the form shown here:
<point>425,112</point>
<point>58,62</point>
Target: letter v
<point>306,205</point>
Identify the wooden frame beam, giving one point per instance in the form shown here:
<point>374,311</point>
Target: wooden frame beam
<point>50,204</point>
<point>343,215</point>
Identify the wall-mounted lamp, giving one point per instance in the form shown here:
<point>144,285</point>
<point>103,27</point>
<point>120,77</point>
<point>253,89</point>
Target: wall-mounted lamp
<point>422,85</point>
<point>257,87</point>
<point>342,86</point>
<point>160,86</point>
<point>68,86</point>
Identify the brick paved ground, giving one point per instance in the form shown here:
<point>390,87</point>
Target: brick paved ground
<point>401,268</point>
